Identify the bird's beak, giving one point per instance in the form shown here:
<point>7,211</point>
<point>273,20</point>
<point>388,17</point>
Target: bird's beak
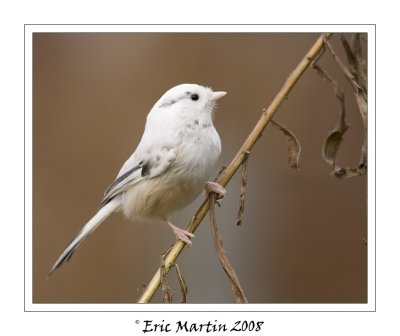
<point>216,95</point>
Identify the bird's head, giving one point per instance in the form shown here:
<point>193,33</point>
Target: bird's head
<point>189,98</point>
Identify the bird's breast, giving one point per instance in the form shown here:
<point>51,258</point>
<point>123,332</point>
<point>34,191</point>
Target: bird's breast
<point>199,150</point>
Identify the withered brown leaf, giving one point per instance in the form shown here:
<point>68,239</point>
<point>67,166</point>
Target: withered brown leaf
<point>294,147</point>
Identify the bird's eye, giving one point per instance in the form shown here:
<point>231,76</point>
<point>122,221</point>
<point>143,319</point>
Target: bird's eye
<point>194,97</point>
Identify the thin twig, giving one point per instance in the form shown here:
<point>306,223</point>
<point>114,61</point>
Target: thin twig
<point>182,284</point>
<point>237,291</point>
<point>243,183</point>
<point>237,160</point>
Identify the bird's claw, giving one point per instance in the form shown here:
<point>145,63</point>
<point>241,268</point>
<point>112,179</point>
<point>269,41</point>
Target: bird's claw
<point>181,234</point>
<point>215,188</point>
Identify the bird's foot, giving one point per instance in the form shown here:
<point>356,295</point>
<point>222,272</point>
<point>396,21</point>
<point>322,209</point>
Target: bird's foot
<point>216,188</point>
<point>181,234</point>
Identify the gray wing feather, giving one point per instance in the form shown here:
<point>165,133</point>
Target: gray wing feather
<point>156,162</point>
<point>120,184</point>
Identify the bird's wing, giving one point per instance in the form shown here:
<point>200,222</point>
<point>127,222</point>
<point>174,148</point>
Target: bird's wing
<point>145,164</point>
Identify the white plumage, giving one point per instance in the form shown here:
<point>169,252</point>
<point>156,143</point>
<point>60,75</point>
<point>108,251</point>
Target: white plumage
<point>169,168</point>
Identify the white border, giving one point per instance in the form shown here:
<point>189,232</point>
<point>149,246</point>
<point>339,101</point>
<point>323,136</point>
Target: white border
<point>152,28</point>
<point>30,29</point>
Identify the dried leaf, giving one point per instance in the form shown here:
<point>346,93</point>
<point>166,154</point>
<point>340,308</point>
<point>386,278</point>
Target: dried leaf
<point>332,144</point>
<point>346,71</point>
<point>351,58</point>
<point>168,293</point>
<point>243,182</point>
<point>356,72</point>
<point>361,64</point>
<point>347,172</point>
<point>335,137</point>
<point>362,97</point>
<point>237,291</point>
<point>294,147</point>
<point>356,61</point>
<point>363,108</point>
<point>182,284</point>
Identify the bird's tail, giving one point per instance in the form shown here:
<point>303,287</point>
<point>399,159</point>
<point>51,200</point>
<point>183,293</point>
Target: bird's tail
<point>89,227</point>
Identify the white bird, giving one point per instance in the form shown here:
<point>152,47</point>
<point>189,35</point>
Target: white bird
<point>170,166</point>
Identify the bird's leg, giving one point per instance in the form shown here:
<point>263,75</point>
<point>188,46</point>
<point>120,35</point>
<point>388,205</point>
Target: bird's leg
<point>180,234</point>
<point>216,188</point>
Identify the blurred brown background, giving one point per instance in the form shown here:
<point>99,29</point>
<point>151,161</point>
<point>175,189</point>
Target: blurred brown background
<point>300,238</point>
